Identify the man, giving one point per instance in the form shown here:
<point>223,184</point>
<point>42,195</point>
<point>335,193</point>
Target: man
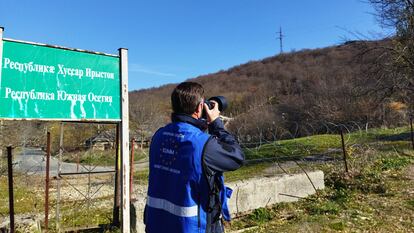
<point>186,192</point>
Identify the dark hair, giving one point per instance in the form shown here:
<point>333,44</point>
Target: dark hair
<point>186,97</point>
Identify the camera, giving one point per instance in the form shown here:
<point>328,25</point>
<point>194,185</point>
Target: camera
<point>222,104</point>
<point>221,100</point>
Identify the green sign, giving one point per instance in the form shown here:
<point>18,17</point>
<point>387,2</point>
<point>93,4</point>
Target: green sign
<point>43,82</point>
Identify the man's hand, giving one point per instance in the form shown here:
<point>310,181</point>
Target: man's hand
<point>213,113</point>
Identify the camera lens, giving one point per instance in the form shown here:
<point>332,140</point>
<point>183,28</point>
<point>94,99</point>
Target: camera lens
<point>221,100</point>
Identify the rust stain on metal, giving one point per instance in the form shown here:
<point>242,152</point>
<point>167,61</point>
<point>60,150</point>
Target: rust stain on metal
<point>47,183</point>
<point>131,169</point>
<point>124,186</point>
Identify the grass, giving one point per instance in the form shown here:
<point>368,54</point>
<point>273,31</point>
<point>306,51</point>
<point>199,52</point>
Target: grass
<point>77,215</point>
<point>27,199</point>
<point>320,144</point>
<point>377,195</point>
<point>141,177</point>
<point>250,171</point>
<point>295,147</point>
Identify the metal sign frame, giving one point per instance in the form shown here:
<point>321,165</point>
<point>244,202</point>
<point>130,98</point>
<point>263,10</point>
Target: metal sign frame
<point>125,170</point>
<point>123,122</point>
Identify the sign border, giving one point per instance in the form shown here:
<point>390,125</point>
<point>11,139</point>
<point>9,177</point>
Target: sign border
<point>60,47</point>
<point>63,48</point>
<point>1,51</point>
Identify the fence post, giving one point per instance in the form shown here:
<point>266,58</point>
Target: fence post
<point>58,178</point>
<point>131,164</point>
<point>115,212</point>
<point>77,162</point>
<point>11,194</point>
<point>412,133</point>
<point>343,148</point>
<point>47,183</point>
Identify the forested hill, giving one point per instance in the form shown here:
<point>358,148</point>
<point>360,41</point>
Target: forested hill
<point>294,93</point>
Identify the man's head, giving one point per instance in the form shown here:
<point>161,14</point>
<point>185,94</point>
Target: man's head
<point>188,98</point>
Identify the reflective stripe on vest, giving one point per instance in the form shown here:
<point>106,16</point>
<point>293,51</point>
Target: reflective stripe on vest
<point>172,208</point>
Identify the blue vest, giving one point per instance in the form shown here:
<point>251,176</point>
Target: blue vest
<point>177,192</point>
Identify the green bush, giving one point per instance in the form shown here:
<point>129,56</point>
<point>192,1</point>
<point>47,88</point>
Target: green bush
<point>396,163</point>
<point>339,226</point>
<point>323,207</point>
<point>261,215</point>
<point>410,204</point>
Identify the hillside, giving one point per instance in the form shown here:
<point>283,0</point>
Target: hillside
<point>288,95</point>
<point>284,96</point>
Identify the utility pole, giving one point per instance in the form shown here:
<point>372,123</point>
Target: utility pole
<point>281,39</point>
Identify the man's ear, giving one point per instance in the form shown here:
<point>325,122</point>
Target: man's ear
<point>199,110</point>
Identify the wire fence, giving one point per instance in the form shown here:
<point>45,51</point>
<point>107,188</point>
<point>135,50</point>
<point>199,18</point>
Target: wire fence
<point>339,145</point>
<point>83,177</point>
<point>28,187</point>
<point>84,189</point>
<point>79,192</point>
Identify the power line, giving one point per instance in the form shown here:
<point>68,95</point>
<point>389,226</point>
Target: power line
<point>280,39</point>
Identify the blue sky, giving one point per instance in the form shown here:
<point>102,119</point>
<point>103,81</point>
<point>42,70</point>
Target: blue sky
<point>171,41</point>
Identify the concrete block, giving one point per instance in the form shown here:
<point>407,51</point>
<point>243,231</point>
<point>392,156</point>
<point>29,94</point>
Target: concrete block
<point>139,205</point>
<point>23,223</point>
<point>255,193</point>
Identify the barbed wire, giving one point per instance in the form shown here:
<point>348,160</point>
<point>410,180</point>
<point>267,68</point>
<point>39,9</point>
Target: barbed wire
<point>303,149</point>
<point>286,156</point>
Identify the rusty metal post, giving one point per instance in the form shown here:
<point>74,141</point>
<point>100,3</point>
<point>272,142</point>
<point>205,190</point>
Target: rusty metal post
<point>11,194</point>
<point>47,183</point>
<point>59,168</point>
<point>343,148</point>
<point>412,133</point>
<point>115,212</point>
<point>77,162</point>
<point>131,164</point>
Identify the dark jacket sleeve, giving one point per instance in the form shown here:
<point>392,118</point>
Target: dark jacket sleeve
<point>222,152</point>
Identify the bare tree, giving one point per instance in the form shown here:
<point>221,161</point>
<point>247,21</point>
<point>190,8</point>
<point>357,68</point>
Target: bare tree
<point>398,72</point>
